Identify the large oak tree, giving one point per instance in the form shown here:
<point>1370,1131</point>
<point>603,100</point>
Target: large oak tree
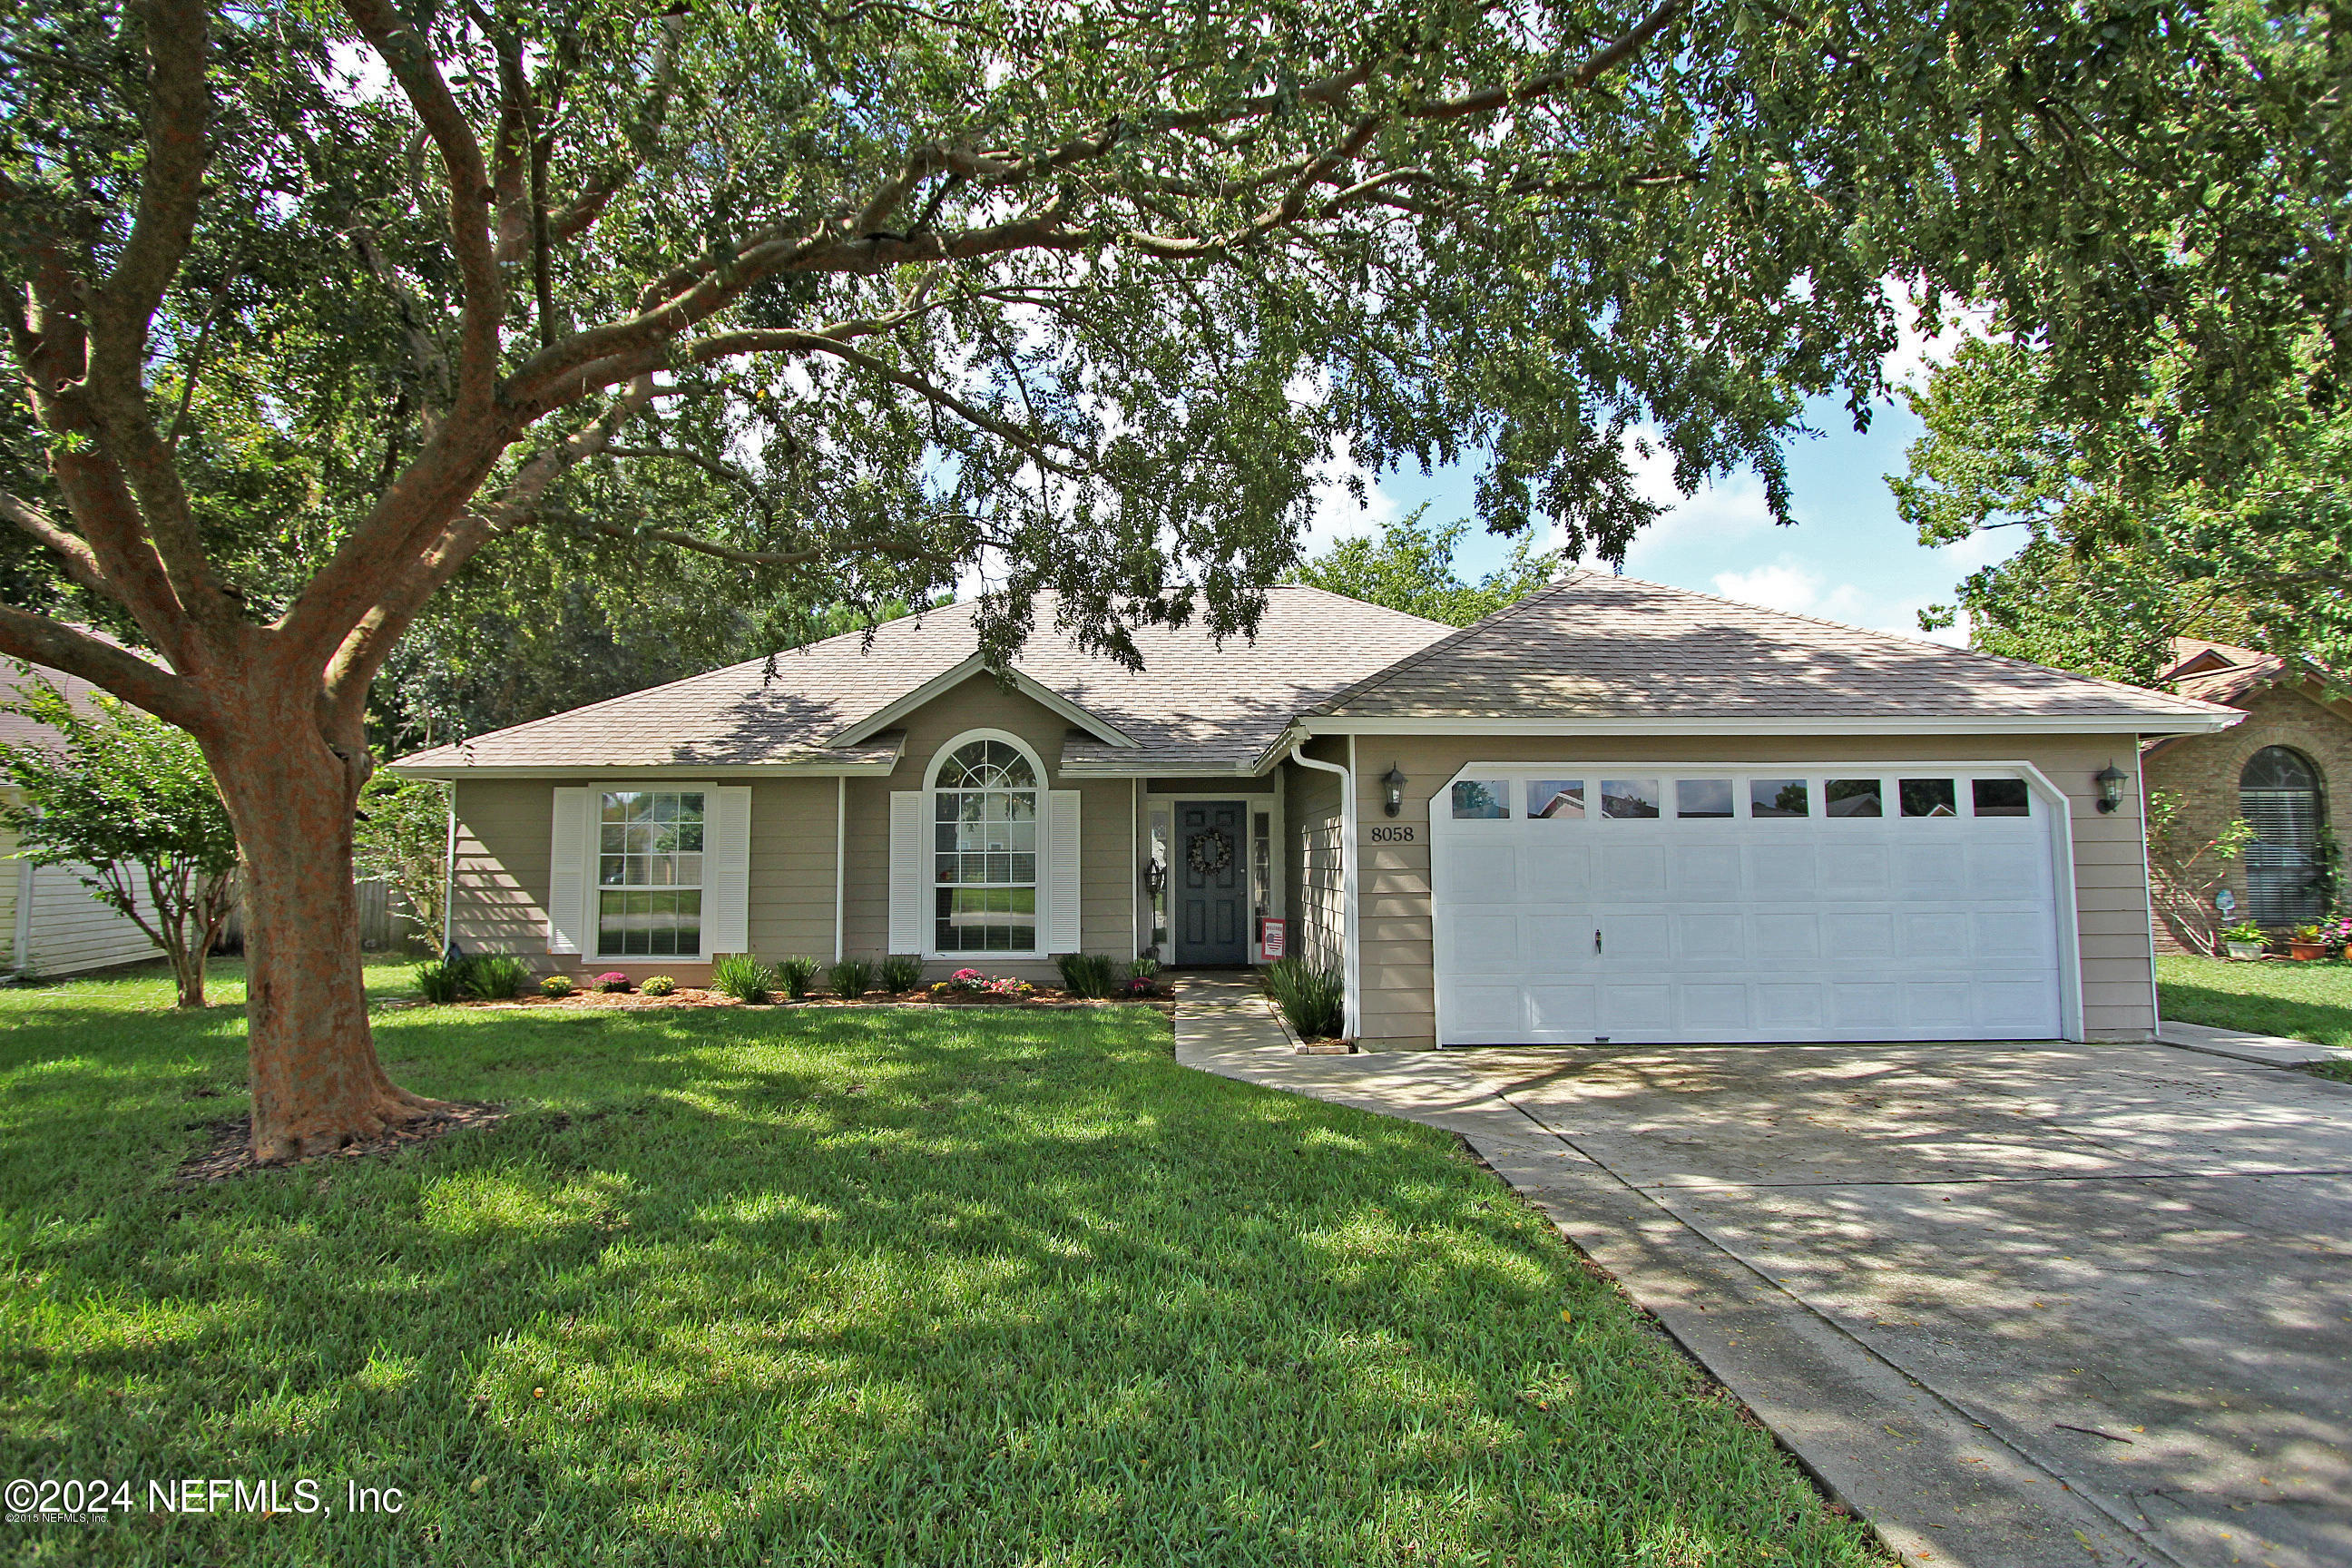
<point>311,305</point>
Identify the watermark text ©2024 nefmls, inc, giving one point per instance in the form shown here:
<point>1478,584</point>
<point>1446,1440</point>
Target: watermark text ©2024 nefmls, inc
<point>85,1501</point>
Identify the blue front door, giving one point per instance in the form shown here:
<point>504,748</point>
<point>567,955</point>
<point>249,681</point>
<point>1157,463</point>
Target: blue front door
<point>1212,886</point>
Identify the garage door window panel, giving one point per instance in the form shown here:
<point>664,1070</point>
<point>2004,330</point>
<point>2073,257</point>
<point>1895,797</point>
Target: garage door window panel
<point>1703,799</point>
<point>1482,800</point>
<point>1928,797</point>
<point>2000,797</point>
<point>1556,800</point>
<point>1779,798</point>
<point>1854,797</point>
<point>1628,799</point>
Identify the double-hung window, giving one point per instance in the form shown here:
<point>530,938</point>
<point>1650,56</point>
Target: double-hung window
<point>649,873</point>
<point>984,871</point>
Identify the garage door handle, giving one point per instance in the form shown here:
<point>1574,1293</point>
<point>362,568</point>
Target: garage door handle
<point>1596,940</point>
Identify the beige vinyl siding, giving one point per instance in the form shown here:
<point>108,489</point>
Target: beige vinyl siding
<point>498,899</point>
<point>1313,866</point>
<point>72,932</point>
<point>2111,888</point>
<point>792,868</point>
<point>1106,842</point>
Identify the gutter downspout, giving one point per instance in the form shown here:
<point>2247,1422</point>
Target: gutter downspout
<point>1350,965</point>
<point>840,847</point>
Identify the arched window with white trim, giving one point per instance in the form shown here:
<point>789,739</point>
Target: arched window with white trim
<point>984,790</point>
<point>2279,795</point>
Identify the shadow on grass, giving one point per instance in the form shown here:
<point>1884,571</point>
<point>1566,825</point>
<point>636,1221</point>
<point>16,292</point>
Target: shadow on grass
<point>870,1287</point>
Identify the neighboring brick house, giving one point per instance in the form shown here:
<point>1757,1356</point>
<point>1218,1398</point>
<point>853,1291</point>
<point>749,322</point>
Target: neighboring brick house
<point>2280,769</point>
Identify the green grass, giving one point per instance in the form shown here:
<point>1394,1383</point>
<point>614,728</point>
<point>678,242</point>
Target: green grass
<point>2308,1001</point>
<point>877,1287</point>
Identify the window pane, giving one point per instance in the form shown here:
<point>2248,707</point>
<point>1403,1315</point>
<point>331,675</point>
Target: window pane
<point>1927,797</point>
<point>1482,799</point>
<point>1853,797</point>
<point>943,806</point>
<point>689,838</point>
<point>608,868</point>
<point>1561,799</point>
<point>1702,797</point>
<point>946,869</point>
<point>612,839</point>
<point>1024,868</point>
<point>943,836</point>
<point>1779,797</point>
<point>1629,797</point>
<point>2001,798</point>
<point>689,807</point>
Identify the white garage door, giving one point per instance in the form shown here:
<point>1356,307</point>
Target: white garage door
<point>1651,903</point>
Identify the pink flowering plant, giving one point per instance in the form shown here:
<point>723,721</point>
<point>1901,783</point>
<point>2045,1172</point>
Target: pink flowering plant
<point>611,980</point>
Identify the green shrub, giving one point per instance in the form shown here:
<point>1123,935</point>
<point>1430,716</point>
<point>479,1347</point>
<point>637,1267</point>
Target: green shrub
<point>657,986</point>
<point>901,972</point>
<point>1313,999</point>
<point>798,975</point>
<point>496,976</point>
<point>741,976</point>
<point>557,985</point>
<point>1143,968</point>
<point>1087,973</point>
<point>443,980</point>
<point>851,978</point>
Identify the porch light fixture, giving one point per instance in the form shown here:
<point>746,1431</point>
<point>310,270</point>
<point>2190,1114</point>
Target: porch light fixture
<point>2111,780</point>
<point>1394,780</point>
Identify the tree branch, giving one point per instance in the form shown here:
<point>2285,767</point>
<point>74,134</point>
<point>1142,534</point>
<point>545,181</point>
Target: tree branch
<point>40,640</point>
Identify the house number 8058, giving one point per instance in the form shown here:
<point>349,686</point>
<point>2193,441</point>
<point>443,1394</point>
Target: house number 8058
<point>1391,835</point>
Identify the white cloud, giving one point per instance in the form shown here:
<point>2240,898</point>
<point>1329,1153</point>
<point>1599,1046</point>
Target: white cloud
<point>1337,514</point>
<point>1916,353</point>
<point>1793,584</point>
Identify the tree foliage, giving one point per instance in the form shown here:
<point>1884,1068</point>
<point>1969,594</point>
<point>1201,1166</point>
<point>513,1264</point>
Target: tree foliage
<point>125,801</point>
<point>1409,567</point>
<point>403,838</point>
<point>2110,569</point>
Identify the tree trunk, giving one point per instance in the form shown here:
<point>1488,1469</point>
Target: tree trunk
<point>316,1082</point>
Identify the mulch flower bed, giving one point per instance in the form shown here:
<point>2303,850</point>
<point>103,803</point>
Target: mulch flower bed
<point>228,1150</point>
<point>687,996</point>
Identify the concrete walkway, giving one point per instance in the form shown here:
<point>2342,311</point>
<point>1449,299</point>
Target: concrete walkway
<point>2017,1305</point>
<point>2269,1050</point>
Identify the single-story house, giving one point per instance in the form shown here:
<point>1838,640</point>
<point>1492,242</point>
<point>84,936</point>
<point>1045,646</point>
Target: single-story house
<point>51,923</point>
<point>1615,811</point>
<point>2274,769</point>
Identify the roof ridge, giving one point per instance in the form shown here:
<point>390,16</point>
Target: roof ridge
<point>1946,648</point>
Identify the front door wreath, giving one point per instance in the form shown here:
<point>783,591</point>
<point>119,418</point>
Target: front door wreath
<point>1209,853</point>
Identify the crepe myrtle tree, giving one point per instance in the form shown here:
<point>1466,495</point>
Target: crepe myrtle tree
<point>311,306</point>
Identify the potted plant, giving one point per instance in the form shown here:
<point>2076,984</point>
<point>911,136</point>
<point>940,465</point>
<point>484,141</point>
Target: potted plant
<point>2243,939</point>
<point>2307,942</point>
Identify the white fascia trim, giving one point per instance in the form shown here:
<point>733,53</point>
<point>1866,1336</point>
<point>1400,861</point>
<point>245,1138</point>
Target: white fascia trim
<point>1350,958</point>
<point>873,723</point>
<point>878,767</point>
<point>2112,724</point>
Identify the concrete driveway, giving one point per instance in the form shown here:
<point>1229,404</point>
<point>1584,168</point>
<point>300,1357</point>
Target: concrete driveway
<point>2019,1303</point>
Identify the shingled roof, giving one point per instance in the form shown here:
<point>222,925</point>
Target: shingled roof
<point>1194,707</point>
<point>1595,646</point>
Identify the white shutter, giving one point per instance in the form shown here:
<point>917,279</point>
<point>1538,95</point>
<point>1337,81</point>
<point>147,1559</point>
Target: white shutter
<point>1062,873</point>
<point>571,854</point>
<point>910,866</point>
<point>727,871</point>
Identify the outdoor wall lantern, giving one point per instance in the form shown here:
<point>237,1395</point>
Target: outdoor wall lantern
<point>1395,782</point>
<point>2111,780</point>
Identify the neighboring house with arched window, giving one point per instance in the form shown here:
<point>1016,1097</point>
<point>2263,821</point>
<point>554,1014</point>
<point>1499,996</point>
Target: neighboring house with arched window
<point>2281,770</point>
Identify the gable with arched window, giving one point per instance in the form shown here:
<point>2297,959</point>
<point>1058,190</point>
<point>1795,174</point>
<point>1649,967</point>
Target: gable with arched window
<point>984,849</point>
<point>2279,795</point>
<point>984,857</point>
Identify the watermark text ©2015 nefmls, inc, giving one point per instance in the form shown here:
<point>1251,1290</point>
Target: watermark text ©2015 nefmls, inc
<point>60,1499</point>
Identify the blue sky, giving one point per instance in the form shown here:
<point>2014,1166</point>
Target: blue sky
<point>1847,558</point>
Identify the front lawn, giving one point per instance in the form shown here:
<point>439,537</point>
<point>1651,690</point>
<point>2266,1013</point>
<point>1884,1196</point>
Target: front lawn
<point>833,1287</point>
<point>2309,1001</point>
